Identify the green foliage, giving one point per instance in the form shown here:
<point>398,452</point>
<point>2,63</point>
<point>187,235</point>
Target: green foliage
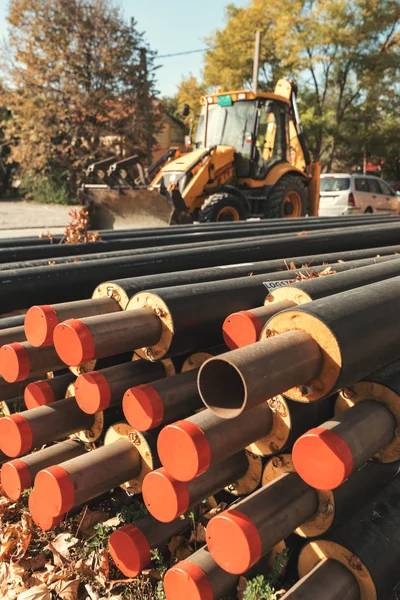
<point>47,191</point>
<point>160,594</point>
<point>76,75</point>
<point>159,561</point>
<point>133,511</point>
<point>99,541</point>
<point>345,56</point>
<point>259,588</point>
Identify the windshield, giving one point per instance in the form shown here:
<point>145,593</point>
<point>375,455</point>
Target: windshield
<point>334,184</point>
<point>228,125</point>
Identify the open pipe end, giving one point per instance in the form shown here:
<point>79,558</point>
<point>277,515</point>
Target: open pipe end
<point>44,521</point>
<point>322,459</point>
<point>187,580</point>
<point>183,450</point>
<point>234,542</point>
<point>129,550</point>
<point>92,392</point>
<point>15,478</point>
<point>165,498</point>
<point>222,388</point>
<point>241,329</point>
<point>38,393</point>
<point>54,490</point>
<point>143,407</point>
<point>74,342</point>
<point>40,323</point>
<point>15,435</point>
<point>14,362</point>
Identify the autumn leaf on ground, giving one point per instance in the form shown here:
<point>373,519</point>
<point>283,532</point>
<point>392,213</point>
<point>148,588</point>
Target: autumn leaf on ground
<point>35,563</point>
<point>67,590</point>
<point>241,587</point>
<point>90,519</point>
<point>179,547</point>
<point>199,535</point>
<point>15,538</point>
<point>60,548</point>
<point>39,592</point>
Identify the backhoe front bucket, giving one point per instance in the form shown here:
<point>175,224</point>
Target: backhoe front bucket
<point>126,208</point>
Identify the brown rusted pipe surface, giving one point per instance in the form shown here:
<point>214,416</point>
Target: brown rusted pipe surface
<point>244,327</point>
<point>328,580</point>
<point>81,479</point>
<point>40,321</point>
<point>98,390</point>
<point>18,475</point>
<point>13,334</point>
<point>238,537</point>
<point>20,360</point>
<point>327,455</point>
<point>80,340</point>
<point>150,405</point>
<point>198,577</point>
<point>188,448</point>
<point>239,380</point>
<point>21,432</point>
<point>46,391</point>
<point>167,499</point>
<point>130,546</point>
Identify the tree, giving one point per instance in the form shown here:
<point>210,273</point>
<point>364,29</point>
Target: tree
<point>345,56</point>
<point>190,92</point>
<point>75,73</point>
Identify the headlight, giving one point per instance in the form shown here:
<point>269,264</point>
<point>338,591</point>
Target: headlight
<point>171,178</point>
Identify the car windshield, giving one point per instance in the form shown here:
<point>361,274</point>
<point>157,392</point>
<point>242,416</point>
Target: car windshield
<point>228,125</point>
<point>334,184</point>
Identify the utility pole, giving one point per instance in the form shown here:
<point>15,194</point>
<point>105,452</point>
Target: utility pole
<point>256,64</point>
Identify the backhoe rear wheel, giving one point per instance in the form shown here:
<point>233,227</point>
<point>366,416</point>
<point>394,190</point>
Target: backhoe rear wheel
<point>222,207</point>
<point>288,199</point>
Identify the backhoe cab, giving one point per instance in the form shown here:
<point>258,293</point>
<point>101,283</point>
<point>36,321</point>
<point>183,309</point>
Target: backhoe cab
<point>249,160</point>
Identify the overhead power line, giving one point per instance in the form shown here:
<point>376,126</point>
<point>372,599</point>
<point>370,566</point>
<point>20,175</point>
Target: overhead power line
<point>186,52</point>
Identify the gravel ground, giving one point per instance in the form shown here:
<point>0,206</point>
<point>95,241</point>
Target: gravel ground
<point>19,218</point>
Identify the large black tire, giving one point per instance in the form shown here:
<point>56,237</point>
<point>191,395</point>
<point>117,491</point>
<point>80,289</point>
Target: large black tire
<point>223,207</point>
<point>287,199</point>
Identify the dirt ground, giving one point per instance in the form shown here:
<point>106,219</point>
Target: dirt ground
<point>19,218</point>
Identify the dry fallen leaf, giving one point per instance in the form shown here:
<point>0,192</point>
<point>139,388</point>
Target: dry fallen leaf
<point>39,592</point>
<point>60,548</point>
<point>67,590</point>
<point>241,587</point>
<point>90,519</point>
<point>199,535</point>
<point>179,547</point>
<point>15,538</point>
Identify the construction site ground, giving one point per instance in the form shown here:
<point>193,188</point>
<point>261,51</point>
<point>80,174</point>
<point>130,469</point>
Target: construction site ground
<point>21,218</point>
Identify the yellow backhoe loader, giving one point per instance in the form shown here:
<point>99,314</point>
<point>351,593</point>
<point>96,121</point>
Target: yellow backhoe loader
<point>249,159</point>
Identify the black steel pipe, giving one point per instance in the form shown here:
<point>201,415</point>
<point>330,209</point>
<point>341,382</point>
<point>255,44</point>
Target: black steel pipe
<point>76,281</point>
<point>371,538</point>
<point>343,325</point>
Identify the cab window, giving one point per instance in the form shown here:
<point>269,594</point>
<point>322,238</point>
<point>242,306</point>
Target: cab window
<point>386,189</point>
<point>361,184</point>
<point>373,185</point>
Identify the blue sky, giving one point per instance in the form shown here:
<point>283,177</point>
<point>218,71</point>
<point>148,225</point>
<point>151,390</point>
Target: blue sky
<point>170,26</point>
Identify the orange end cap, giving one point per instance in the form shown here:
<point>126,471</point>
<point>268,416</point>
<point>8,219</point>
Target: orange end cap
<point>15,478</point>
<point>74,342</point>
<point>55,490</point>
<point>187,580</point>
<point>165,497</point>
<point>38,393</point>
<point>234,542</point>
<point>130,550</point>
<point>184,450</point>
<point>241,329</point>
<point>322,459</point>
<point>143,407</point>
<point>44,521</point>
<point>15,364</point>
<point>15,435</point>
<point>92,392</point>
<point>40,323</point>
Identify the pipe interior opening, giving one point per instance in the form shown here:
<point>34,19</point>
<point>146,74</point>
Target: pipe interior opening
<point>222,388</point>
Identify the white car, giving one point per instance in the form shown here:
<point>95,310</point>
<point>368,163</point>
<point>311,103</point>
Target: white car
<point>344,194</point>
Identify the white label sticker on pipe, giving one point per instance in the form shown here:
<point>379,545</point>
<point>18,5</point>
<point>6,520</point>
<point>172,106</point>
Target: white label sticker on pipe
<point>274,285</point>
